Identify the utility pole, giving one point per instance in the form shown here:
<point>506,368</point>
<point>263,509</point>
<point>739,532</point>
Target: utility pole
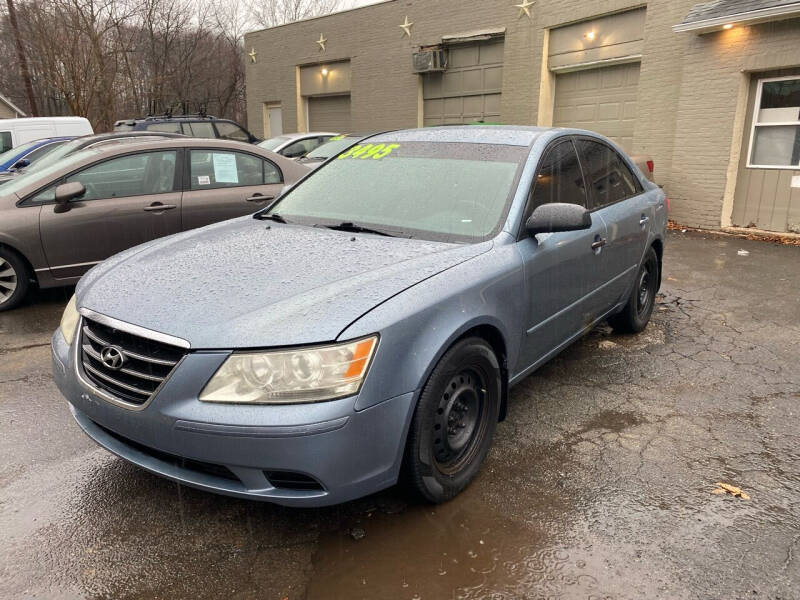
<point>23,61</point>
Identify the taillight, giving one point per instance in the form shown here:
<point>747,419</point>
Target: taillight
<point>650,165</point>
<point>666,201</point>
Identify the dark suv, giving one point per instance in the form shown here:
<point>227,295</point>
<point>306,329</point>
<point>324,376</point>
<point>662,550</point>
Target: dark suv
<point>202,126</point>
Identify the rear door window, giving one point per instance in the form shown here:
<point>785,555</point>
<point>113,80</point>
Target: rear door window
<point>607,176</point>
<point>201,129</point>
<point>165,127</point>
<point>559,178</point>
<point>231,131</point>
<point>211,169</point>
<point>5,141</point>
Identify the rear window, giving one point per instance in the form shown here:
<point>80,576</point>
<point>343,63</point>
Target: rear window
<point>5,141</point>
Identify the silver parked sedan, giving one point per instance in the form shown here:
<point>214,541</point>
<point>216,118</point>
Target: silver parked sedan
<point>367,327</point>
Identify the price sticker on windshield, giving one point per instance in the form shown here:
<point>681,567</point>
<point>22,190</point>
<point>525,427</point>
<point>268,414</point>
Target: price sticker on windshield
<point>373,151</point>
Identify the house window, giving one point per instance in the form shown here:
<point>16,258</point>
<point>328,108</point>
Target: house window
<point>775,139</point>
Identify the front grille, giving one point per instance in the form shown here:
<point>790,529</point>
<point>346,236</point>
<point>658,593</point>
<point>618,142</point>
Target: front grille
<point>145,363</point>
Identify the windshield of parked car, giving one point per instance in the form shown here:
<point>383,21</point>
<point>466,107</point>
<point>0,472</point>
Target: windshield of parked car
<point>41,176</point>
<point>331,148</point>
<point>273,143</point>
<point>439,191</point>
<point>17,151</point>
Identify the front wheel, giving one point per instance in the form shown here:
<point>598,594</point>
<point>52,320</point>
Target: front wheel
<point>452,428</point>
<point>636,314</point>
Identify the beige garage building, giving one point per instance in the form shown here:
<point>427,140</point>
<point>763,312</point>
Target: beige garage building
<point>710,91</point>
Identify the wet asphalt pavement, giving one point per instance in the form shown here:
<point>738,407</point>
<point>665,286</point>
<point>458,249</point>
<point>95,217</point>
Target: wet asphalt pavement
<point>599,484</point>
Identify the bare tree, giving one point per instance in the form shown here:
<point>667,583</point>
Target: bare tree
<point>269,13</point>
<point>23,61</point>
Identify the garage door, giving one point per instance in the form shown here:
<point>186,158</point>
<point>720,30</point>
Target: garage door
<point>470,89</point>
<point>329,113</point>
<point>601,100</point>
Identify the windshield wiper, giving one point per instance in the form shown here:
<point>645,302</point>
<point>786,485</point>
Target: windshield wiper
<point>353,228</point>
<point>272,217</point>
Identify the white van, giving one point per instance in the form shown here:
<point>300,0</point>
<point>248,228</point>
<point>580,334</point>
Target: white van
<point>14,132</point>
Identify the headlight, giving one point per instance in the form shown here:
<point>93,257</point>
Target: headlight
<point>69,320</point>
<point>292,376</point>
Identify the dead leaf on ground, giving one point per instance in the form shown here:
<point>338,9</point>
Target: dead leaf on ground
<point>727,488</point>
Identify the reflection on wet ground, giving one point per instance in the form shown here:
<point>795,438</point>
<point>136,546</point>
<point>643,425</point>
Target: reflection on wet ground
<point>599,484</point>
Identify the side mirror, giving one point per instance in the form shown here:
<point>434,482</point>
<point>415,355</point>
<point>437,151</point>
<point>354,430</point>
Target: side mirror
<point>551,218</point>
<point>66,193</point>
<point>21,163</point>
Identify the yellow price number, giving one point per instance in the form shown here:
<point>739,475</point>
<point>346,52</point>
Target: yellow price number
<point>373,151</point>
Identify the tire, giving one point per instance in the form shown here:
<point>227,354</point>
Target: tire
<point>636,314</point>
<point>14,280</point>
<point>454,422</point>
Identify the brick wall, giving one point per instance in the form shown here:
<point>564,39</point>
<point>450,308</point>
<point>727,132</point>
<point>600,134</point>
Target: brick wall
<point>688,89</point>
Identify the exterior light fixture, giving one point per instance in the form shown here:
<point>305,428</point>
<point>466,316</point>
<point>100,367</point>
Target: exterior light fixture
<point>728,26</point>
<point>589,35</point>
<point>324,71</point>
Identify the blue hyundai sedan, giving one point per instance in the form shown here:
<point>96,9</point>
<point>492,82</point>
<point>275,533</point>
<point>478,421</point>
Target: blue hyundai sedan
<point>367,326</point>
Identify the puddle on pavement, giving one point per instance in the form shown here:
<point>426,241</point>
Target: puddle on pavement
<point>465,549</point>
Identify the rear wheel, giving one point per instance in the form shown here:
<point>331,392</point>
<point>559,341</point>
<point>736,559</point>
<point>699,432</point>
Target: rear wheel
<point>636,314</point>
<point>13,279</point>
<point>453,425</point>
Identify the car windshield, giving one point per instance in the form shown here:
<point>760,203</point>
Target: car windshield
<point>18,151</point>
<point>273,143</point>
<point>40,176</point>
<point>332,148</point>
<point>455,192</point>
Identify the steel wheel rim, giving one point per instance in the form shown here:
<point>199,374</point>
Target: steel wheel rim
<point>8,280</point>
<point>459,421</point>
<point>643,291</point>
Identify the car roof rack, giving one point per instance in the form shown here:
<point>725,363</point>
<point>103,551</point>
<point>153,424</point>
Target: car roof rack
<point>183,116</point>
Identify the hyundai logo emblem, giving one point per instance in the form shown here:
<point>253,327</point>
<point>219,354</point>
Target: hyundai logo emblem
<point>112,357</point>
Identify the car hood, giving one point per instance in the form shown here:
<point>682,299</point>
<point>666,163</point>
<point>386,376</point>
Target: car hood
<point>247,283</point>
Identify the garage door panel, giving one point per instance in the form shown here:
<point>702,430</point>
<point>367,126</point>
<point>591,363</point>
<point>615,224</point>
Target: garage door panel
<point>602,100</point>
<point>453,106</point>
<point>609,111</point>
<point>329,113</point>
<point>491,106</point>
<point>470,88</point>
<point>490,54</point>
<point>452,83</point>
<point>493,78</point>
<point>463,56</point>
<point>473,105</point>
<point>473,81</point>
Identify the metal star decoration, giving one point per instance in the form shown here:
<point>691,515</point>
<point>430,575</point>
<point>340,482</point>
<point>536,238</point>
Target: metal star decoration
<point>525,8</point>
<point>406,27</point>
<point>322,41</point>
<point>252,54</point>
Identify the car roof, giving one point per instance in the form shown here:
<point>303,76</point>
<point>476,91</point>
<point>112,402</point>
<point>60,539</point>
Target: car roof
<point>510,135</point>
<point>115,135</point>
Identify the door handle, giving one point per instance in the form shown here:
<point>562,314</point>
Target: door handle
<point>260,198</point>
<point>599,243</point>
<point>159,207</point>
<point>644,220</point>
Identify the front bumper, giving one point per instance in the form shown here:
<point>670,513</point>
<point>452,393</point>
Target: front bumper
<point>236,449</point>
